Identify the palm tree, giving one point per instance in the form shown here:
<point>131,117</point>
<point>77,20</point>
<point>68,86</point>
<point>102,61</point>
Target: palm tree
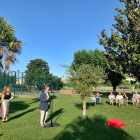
<point>9,45</point>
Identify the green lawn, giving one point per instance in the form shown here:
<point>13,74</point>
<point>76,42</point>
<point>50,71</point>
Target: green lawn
<point>24,121</point>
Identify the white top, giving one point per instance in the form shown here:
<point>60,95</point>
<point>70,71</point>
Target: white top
<point>47,94</point>
<point>136,96</point>
<point>111,97</point>
<point>119,97</point>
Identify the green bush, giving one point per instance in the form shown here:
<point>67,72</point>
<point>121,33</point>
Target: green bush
<point>125,82</point>
<point>106,84</point>
<point>137,86</point>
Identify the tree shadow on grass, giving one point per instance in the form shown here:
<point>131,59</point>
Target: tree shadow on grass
<point>80,105</point>
<point>21,114</point>
<point>57,114</point>
<point>1,135</point>
<point>92,129</point>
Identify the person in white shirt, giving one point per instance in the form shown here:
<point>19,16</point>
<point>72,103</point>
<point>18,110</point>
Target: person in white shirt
<point>119,99</point>
<point>136,97</point>
<point>111,98</point>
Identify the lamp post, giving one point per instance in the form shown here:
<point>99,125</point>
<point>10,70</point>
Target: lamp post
<point>44,74</point>
<point>18,78</point>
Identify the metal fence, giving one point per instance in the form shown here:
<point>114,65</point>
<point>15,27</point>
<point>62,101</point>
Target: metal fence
<point>21,83</point>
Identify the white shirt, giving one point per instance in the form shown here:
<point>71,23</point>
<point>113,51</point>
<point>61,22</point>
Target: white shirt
<point>136,95</point>
<point>111,97</point>
<point>119,97</point>
<point>47,94</point>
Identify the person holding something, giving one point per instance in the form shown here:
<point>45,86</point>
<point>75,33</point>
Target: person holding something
<point>43,107</point>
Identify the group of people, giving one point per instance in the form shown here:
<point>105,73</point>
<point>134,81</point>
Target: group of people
<point>44,102</point>
<point>122,98</point>
<point>43,107</point>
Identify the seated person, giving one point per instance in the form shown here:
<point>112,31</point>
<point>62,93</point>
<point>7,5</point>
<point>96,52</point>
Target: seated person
<point>119,99</point>
<point>111,98</point>
<point>97,96</point>
<point>124,97</point>
<point>135,98</point>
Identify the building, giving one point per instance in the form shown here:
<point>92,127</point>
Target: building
<point>65,81</point>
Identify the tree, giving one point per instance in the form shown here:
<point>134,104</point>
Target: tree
<point>37,71</point>
<point>97,58</point>
<point>81,57</point>
<point>125,82</point>
<point>9,45</point>
<point>122,48</point>
<point>83,80</point>
<point>37,74</point>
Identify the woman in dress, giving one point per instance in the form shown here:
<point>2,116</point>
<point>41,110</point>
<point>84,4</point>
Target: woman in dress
<point>5,106</point>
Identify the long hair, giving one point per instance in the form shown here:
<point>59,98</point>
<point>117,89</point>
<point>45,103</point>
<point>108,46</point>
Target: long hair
<point>5,91</point>
<point>124,93</point>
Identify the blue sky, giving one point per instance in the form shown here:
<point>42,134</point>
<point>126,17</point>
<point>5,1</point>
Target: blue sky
<point>54,29</point>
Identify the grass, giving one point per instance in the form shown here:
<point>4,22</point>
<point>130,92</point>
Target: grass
<point>24,119</point>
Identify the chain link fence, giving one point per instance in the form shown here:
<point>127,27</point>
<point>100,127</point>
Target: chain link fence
<point>20,83</point>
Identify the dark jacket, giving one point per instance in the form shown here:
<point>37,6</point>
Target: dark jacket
<point>43,102</point>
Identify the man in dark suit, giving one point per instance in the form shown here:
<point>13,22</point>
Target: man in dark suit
<point>44,97</point>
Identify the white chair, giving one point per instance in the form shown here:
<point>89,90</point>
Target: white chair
<point>135,101</point>
<point>92,100</point>
<point>126,101</point>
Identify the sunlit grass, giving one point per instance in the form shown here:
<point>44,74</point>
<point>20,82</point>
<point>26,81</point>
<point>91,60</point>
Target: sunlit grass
<point>24,119</point>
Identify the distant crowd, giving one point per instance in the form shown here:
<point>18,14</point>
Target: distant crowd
<point>121,99</point>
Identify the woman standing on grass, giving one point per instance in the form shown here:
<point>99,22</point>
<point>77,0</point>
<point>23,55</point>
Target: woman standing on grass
<point>5,106</point>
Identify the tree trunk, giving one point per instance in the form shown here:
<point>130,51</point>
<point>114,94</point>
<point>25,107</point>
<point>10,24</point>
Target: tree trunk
<point>84,108</point>
<point>114,89</point>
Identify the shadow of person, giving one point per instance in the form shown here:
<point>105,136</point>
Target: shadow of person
<point>21,114</point>
<point>92,129</point>
<point>34,100</point>
<point>55,114</point>
<point>18,105</point>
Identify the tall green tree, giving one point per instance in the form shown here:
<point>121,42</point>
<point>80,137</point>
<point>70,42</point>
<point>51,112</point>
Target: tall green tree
<point>38,74</point>
<point>122,48</point>
<point>10,46</point>
<point>97,58</point>
<point>37,71</point>
<point>84,79</point>
<point>81,57</point>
